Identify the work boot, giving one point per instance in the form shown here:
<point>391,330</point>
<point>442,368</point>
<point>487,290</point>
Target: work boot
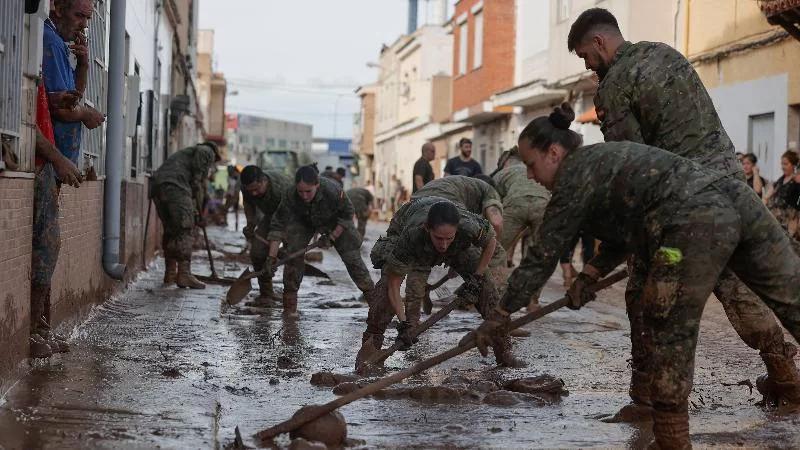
<point>671,431</point>
<point>640,409</point>
<point>371,344</point>
<point>266,297</point>
<point>39,347</point>
<point>505,357</point>
<point>780,386</point>
<point>185,277</point>
<point>170,271</point>
<point>290,305</point>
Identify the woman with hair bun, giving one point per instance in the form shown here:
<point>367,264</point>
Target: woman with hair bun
<point>686,224</point>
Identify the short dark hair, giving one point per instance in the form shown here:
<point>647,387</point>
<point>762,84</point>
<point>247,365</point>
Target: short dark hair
<point>590,20</point>
<point>442,213</point>
<point>486,179</point>
<point>463,141</point>
<point>752,157</point>
<point>307,174</point>
<point>328,168</point>
<point>341,171</point>
<point>251,174</point>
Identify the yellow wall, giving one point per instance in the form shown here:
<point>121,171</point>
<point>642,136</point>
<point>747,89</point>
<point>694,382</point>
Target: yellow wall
<point>718,23</point>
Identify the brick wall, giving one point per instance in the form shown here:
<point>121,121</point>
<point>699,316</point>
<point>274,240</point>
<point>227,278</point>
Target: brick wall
<point>16,220</point>
<point>79,280</point>
<point>497,69</point>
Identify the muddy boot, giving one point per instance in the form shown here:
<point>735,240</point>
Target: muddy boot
<point>266,297</point>
<point>780,386</point>
<point>290,305</point>
<point>404,341</point>
<point>505,357</point>
<point>39,347</point>
<point>671,431</point>
<point>170,271</point>
<point>371,344</point>
<point>185,277</point>
<point>640,409</point>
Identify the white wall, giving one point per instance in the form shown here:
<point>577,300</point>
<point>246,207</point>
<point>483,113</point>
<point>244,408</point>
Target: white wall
<point>533,40</point>
<point>735,104</point>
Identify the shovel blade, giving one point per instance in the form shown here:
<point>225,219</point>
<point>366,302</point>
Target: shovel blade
<point>240,288</point>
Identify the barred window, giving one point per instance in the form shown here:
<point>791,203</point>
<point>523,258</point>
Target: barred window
<point>93,141</point>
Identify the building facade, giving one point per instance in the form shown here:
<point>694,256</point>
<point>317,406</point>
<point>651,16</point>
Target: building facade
<point>412,90</point>
<point>152,122</point>
<point>364,134</point>
<point>749,67</point>
<point>249,136</point>
<point>211,92</point>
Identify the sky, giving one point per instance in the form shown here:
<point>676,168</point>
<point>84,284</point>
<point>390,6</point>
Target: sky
<point>301,60</point>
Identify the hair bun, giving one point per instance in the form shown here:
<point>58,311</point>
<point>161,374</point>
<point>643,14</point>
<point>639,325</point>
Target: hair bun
<point>562,116</point>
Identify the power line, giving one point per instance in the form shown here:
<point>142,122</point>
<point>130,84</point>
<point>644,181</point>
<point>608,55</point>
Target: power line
<point>305,113</point>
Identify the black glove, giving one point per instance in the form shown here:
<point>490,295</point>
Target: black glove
<point>471,290</point>
<point>325,241</point>
<point>579,293</point>
<point>404,340</point>
<point>249,232</point>
<point>491,333</point>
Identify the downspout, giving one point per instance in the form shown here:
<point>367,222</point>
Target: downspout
<point>115,140</point>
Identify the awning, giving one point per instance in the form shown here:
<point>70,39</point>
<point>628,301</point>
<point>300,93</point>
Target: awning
<point>785,13</point>
<point>589,116</point>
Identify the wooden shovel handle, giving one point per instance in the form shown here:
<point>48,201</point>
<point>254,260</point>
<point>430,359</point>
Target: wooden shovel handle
<point>465,345</point>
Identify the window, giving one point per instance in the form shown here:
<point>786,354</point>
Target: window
<point>462,48</point>
<point>563,10</point>
<point>282,144</point>
<point>257,141</point>
<point>270,143</point>
<point>477,49</point>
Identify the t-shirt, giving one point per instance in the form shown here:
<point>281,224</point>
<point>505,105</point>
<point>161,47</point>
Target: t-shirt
<point>422,168</point>
<point>59,76</point>
<point>763,185</point>
<point>455,166</point>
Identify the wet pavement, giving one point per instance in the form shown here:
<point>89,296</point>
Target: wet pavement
<point>159,367</point>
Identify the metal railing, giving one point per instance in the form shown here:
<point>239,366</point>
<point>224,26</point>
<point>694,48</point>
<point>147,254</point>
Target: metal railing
<point>93,143</point>
<point>12,15</point>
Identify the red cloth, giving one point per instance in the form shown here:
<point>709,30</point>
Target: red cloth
<point>43,120</point>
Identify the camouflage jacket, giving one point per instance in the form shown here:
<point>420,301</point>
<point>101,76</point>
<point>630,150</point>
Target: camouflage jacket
<point>330,207</point>
<point>331,175</point>
<point>279,183</point>
<point>474,194</point>
<point>409,245</point>
<point>188,170</point>
<point>512,183</point>
<point>652,95</point>
<point>619,191</point>
<point>361,199</point>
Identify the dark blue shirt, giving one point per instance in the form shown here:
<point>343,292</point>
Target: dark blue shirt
<point>59,76</point>
<point>455,166</point>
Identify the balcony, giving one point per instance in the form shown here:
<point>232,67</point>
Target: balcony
<point>785,13</point>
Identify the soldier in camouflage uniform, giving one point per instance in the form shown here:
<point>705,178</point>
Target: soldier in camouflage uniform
<point>649,93</point>
<point>362,201</point>
<point>524,202</point>
<point>685,223</point>
<point>179,187</point>
<point>476,196</point>
<point>315,204</point>
<point>262,193</point>
<point>426,232</point>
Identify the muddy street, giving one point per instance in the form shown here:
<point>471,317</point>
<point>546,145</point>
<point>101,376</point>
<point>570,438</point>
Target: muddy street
<point>162,367</point>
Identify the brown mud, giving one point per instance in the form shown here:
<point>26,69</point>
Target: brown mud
<point>247,368</point>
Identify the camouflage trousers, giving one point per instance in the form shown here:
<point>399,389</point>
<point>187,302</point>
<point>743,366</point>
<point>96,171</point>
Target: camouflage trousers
<point>348,245</point>
<point>381,312</point>
<point>721,229</point>
<point>362,217</point>
<point>520,214</point>
<point>259,252</point>
<point>46,242</point>
<point>177,212</point>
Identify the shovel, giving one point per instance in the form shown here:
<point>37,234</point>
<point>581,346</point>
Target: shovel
<point>309,271</point>
<point>241,287</point>
<point>466,344</point>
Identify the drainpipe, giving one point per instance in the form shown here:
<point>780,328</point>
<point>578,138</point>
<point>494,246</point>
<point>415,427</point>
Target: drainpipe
<point>115,142</point>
